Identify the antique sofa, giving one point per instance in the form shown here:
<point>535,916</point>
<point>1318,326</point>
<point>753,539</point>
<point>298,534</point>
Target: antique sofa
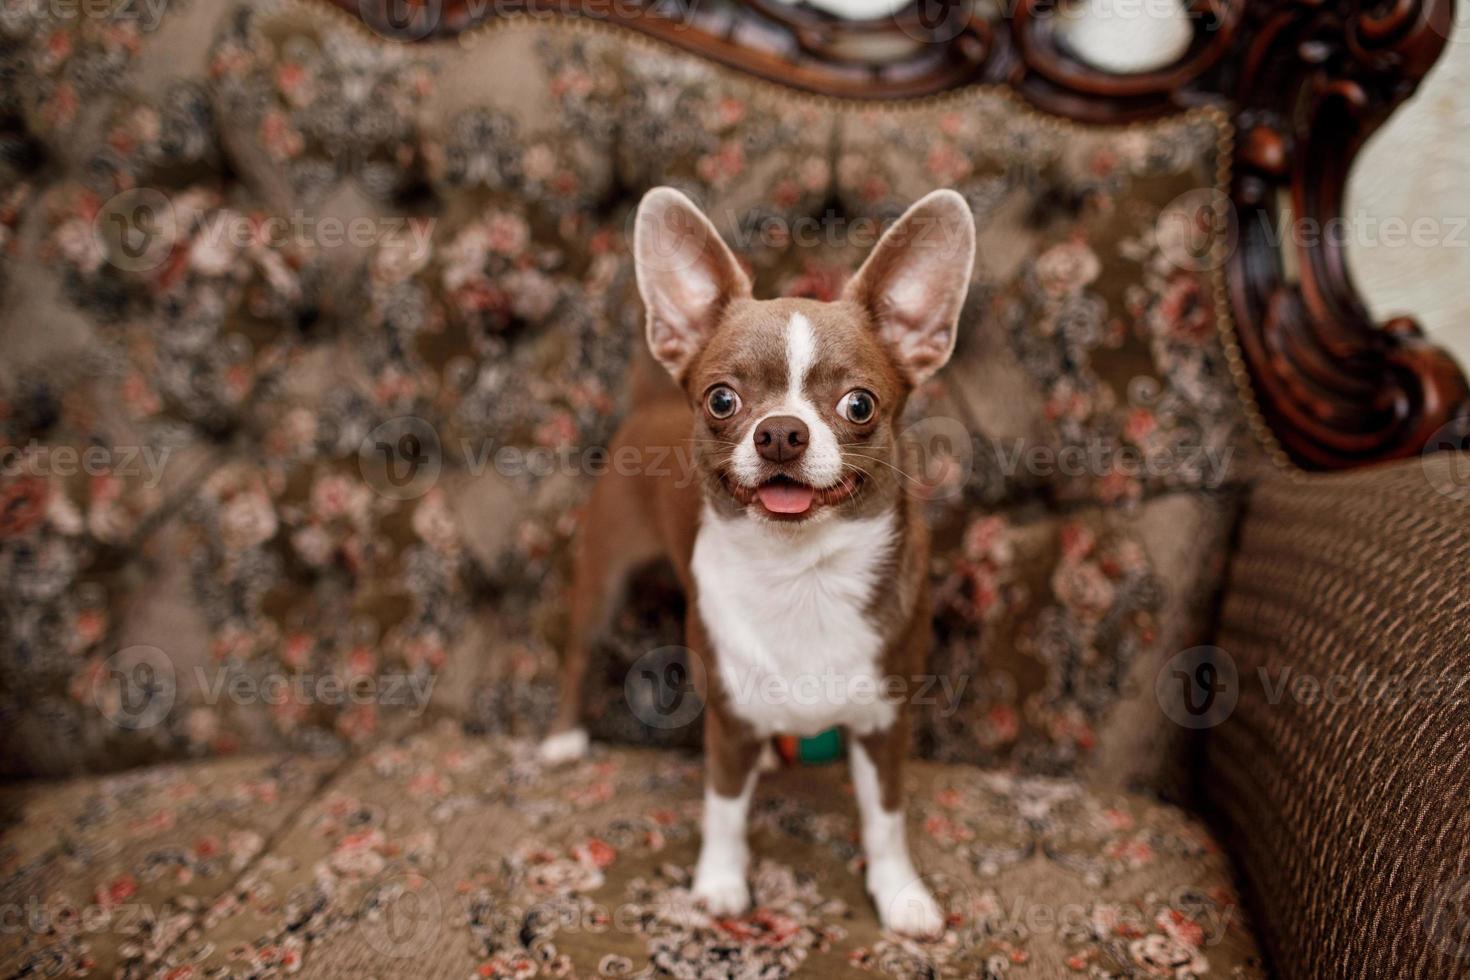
<point>312,316</point>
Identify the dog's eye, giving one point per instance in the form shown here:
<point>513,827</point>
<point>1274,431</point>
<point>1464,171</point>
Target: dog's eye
<point>721,402</point>
<point>858,406</point>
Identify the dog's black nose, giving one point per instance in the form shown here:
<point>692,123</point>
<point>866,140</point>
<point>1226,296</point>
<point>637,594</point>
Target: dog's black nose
<point>781,438</point>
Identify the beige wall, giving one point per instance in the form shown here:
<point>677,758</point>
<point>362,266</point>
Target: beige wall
<point>1418,166</point>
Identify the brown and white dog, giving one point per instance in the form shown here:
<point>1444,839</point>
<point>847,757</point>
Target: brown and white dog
<point>801,553</point>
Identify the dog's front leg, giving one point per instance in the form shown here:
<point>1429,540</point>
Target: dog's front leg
<point>731,754</point>
<point>902,899</point>
<point>731,767</point>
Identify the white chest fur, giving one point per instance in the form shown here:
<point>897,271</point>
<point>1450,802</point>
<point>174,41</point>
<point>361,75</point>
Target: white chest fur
<point>786,612</point>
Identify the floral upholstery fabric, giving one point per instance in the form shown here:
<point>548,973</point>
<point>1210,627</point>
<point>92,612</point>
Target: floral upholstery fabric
<point>493,311</point>
<point>102,876</point>
<point>447,855</point>
<point>82,489</point>
<point>759,159</point>
<point>1062,624</point>
<point>517,114</point>
<point>203,317</point>
<point>1094,283</point>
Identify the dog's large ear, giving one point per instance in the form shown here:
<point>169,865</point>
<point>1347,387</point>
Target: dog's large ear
<point>914,283</point>
<point>686,276</point>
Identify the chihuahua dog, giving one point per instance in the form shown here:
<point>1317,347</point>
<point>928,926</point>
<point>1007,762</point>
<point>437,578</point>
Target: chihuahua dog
<point>801,554</point>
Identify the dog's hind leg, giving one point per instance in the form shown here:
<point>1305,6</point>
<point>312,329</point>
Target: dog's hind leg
<point>613,544</point>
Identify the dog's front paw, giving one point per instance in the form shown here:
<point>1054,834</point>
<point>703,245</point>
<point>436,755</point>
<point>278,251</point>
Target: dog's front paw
<point>722,894</point>
<point>903,901</point>
<point>563,747</point>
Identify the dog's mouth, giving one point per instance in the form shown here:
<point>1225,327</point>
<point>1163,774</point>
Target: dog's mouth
<point>784,498</point>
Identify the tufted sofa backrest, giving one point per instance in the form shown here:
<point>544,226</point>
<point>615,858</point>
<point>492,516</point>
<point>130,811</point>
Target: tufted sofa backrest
<point>1083,446</point>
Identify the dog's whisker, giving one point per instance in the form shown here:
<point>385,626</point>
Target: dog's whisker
<point>896,469</point>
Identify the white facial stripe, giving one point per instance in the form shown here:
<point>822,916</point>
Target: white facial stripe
<point>821,466</point>
<point>801,346</point>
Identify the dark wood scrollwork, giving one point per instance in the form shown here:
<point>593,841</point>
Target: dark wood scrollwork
<point>937,46</point>
<point>1052,77</point>
<point>1307,82</point>
<point>1310,85</point>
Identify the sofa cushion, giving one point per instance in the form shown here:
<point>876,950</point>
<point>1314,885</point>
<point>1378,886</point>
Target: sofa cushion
<point>499,313</point>
<point>203,307</point>
<point>63,67</point>
<point>86,473</point>
<point>220,369</point>
<point>756,157</point>
<point>1101,326</point>
<point>1052,631</point>
<point>448,855</point>
<point>510,397</point>
<point>1096,326</point>
<point>103,875</point>
<point>316,101</point>
<point>298,605</point>
<point>321,103</point>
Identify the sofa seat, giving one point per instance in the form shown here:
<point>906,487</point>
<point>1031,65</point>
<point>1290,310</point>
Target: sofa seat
<point>446,854</point>
<point>102,875</point>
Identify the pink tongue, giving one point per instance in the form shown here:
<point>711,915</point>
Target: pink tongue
<point>785,498</point>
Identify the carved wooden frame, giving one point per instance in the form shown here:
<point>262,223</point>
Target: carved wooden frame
<point>1305,81</point>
